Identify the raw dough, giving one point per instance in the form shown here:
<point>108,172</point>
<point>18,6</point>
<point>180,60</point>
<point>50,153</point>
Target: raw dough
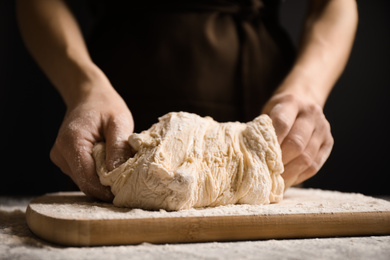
<point>186,161</point>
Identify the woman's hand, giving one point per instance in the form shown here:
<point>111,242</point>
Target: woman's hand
<point>296,106</point>
<point>303,133</point>
<point>101,115</point>
<point>95,111</point>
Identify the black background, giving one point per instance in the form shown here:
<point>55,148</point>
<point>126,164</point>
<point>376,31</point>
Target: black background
<point>358,110</point>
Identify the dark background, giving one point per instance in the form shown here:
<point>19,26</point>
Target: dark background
<point>358,110</point>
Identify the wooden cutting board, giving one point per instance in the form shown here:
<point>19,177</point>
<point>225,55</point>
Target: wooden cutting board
<point>76,220</point>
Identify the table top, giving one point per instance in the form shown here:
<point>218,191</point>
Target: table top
<point>17,242</point>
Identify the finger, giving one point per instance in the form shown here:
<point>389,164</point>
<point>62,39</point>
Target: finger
<point>283,117</point>
<point>118,149</point>
<point>298,138</point>
<point>317,163</point>
<point>92,187</point>
<point>89,182</point>
<point>301,163</point>
<point>324,136</point>
<point>85,175</point>
<point>57,158</point>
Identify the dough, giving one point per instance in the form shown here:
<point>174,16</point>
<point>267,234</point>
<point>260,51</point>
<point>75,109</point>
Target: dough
<point>186,161</point>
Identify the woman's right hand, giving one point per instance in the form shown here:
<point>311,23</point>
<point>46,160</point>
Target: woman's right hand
<point>99,115</point>
<point>95,111</point>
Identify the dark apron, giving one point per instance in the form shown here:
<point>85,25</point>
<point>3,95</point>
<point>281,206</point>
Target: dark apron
<point>217,58</point>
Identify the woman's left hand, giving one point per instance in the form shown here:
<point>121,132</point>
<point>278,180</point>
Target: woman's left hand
<point>303,133</point>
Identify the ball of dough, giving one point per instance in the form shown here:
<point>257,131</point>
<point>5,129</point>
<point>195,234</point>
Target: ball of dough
<point>187,161</point>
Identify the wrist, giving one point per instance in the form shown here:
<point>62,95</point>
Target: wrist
<point>83,80</point>
<point>306,85</point>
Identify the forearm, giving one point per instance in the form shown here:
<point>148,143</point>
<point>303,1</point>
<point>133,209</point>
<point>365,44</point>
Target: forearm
<point>324,49</point>
<point>54,39</point>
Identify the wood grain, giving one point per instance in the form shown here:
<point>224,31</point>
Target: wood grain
<point>93,232</point>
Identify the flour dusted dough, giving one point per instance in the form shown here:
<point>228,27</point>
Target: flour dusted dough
<point>186,161</point>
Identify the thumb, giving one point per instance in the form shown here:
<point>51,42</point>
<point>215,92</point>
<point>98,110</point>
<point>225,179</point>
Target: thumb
<point>118,149</point>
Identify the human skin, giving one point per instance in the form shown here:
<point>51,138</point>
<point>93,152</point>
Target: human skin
<point>96,112</point>
<point>296,107</point>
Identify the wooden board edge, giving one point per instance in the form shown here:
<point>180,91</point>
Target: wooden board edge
<point>57,231</point>
<point>75,232</point>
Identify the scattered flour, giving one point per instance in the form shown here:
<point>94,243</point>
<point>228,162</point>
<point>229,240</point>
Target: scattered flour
<point>17,242</point>
<point>75,205</point>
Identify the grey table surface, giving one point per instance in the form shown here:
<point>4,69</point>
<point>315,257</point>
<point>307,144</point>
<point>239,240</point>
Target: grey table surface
<point>17,242</point>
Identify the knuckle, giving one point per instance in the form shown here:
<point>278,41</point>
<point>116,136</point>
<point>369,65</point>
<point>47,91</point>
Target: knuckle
<point>56,158</point>
<point>53,155</point>
<point>316,109</point>
<point>59,141</point>
<point>306,160</point>
<point>326,127</point>
<point>313,168</point>
<point>63,139</point>
<point>330,141</point>
<point>296,142</point>
<point>313,110</point>
<point>281,124</point>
